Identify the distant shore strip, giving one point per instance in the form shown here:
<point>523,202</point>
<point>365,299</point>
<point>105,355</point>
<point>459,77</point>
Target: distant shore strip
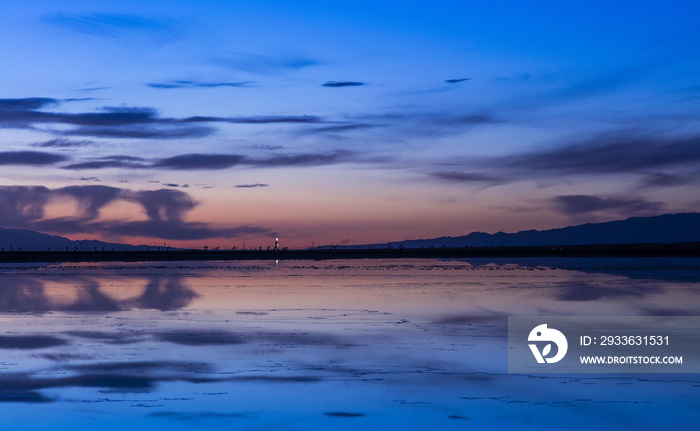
<point>687,249</point>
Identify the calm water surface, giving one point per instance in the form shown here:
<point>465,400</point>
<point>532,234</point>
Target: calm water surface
<point>358,344</point>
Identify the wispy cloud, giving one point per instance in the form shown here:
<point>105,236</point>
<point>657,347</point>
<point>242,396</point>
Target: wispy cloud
<point>466,177</point>
<point>250,186</point>
<point>264,64</point>
<point>626,152</point>
<point>64,143</point>
<point>122,122</point>
<point>576,205</point>
<point>456,81</point>
<point>196,84</point>
<point>27,104</point>
<point>196,161</point>
<point>115,25</point>
<point>337,84</point>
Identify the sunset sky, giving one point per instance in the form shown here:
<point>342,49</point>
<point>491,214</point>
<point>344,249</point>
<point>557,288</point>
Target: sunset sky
<point>216,122</point>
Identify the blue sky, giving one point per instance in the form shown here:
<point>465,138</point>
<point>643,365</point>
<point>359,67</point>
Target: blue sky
<point>216,122</point>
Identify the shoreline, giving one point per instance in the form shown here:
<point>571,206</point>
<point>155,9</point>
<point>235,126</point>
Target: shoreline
<point>686,249</point>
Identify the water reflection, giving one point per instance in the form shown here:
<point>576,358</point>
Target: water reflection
<point>27,293</point>
<point>322,345</point>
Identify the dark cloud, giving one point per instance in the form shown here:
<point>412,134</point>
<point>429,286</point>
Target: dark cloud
<point>649,156</point>
<point>309,159</point>
<point>456,81</point>
<point>90,198</point>
<point>30,158</point>
<point>663,179</point>
<point>271,119</point>
<point>161,131</point>
<point>249,186</point>
<point>174,230</point>
<point>583,204</point>
<point>22,207</point>
<point>120,122</point>
<point>197,161</point>
<point>20,204</point>
<point>196,84</point>
<point>64,143</point>
<point>200,161</point>
<point>114,161</point>
<point>26,104</point>
<point>102,164</point>
<point>344,414</point>
<point>336,84</point>
<point>163,204</point>
<point>610,153</point>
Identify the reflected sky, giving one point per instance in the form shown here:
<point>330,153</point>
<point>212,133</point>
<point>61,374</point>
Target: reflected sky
<point>372,344</point>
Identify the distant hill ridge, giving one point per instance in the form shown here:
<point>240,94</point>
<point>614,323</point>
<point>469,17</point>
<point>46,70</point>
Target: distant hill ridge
<point>665,229</point>
<point>27,240</point>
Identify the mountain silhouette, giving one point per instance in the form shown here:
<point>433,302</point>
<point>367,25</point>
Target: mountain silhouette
<point>665,229</point>
<point>27,240</point>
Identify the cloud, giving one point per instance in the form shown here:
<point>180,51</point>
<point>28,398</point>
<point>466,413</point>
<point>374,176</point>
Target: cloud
<point>611,153</point>
<point>265,64</point>
<point>21,204</point>
<point>90,198</point>
<point>197,161</point>
<point>337,84</point>
<point>26,104</point>
<point>200,161</point>
<point>663,179</point>
<point>163,131</point>
<point>456,81</point>
<point>112,25</point>
<point>341,128</point>
<point>120,122</point>
<point>249,186</point>
<point>465,177</point>
<point>344,414</point>
<point>174,230</point>
<point>619,153</point>
<point>308,159</point>
<point>583,204</point>
<point>196,84</point>
<point>23,207</point>
<point>30,158</point>
<point>64,143</point>
<point>272,119</point>
<point>163,204</point>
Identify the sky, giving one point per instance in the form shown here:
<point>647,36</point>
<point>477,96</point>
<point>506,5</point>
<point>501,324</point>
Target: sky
<point>193,123</point>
